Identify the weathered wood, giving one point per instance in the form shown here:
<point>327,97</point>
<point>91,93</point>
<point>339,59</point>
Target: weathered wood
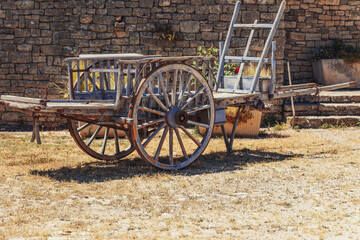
<point>255,25</point>
<point>296,86</point>
<point>36,131</point>
<point>233,59</point>
<point>77,105</point>
<point>22,99</point>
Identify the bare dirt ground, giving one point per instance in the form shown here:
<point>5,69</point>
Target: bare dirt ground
<point>283,185</point>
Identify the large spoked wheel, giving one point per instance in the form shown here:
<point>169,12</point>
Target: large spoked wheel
<point>101,142</point>
<point>171,104</point>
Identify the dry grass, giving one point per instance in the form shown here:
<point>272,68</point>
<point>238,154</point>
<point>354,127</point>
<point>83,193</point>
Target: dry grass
<point>284,185</point>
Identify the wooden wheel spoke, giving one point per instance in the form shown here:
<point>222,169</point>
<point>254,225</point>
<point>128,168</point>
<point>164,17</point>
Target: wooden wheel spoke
<point>198,124</point>
<point>93,136</point>
<point>164,91</point>
<point>181,143</point>
<point>161,143</point>
<point>83,127</point>
<point>186,85</point>
<point>190,136</point>
<point>173,92</point>
<point>197,109</point>
<point>153,135</point>
<point>156,99</point>
<point>105,141</point>
<point>171,146</point>
<point>151,110</point>
<point>192,97</point>
<point>117,147</point>
<point>151,123</point>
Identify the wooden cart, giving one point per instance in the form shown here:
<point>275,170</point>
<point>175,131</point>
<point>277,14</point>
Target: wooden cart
<point>121,102</point>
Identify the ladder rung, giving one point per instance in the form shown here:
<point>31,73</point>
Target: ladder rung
<point>106,70</point>
<point>251,25</point>
<point>244,59</point>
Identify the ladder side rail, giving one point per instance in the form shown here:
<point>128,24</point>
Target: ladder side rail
<point>241,69</point>
<point>220,70</point>
<point>267,45</point>
<point>227,43</point>
<point>273,69</point>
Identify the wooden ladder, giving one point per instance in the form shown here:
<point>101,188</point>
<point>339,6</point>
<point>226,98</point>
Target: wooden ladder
<point>242,60</point>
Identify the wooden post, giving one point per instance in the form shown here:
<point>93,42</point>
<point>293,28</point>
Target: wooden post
<point>36,131</point>
<point>292,98</point>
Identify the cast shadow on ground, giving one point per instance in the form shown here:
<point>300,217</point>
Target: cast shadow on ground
<point>123,169</point>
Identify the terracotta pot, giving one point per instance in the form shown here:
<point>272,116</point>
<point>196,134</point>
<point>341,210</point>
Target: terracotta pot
<point>249,129</point>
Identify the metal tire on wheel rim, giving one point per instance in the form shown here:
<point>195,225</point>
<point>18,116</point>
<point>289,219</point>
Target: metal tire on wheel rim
<point>169,101</point>
<point>101,142</point>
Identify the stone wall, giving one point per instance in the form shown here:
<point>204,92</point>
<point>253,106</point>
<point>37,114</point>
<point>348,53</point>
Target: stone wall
<point>37,35</point>
<point>311,24</point>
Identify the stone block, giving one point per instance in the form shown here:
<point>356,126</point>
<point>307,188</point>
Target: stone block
<point>164,3</point>
<point>11,24</point>
<point>10,116</point>
<point>215,9</point>
<point>50,70</point>
<point>146,3</point>
<point>185,9</point>
<point>38,40</point>
<point>98,27</point>
<point>120,12</point>
<point>5,83</point>
<point>250,16</point>
<point>103,19</point>
<point>6,37</point>
<point>51,50</point>
<point>297,36</point>
<point>144,13</point>
<point>20,57</point>
<point>328,2</point>
<point>313,36</point>
<point>83,35</point>
<point>210,36</point>
<point>189,26</point>
<point>354,15</point>
<point>134,38</point>
<point>86,19</point>
<point>54,12</point>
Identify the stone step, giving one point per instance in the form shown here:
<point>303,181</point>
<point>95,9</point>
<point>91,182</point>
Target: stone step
<point>323,109</point>
<point>318,121</point>
<point>344,96</point>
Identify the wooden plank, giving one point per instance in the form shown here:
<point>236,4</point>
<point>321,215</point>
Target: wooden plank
<point>296,86</point>
<point>20,105</point>
<point>76,105</point>
<point>22,99</point>
<point>224,96</point>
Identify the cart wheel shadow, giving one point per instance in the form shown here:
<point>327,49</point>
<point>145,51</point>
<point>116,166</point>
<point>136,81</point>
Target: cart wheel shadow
<point>125,168</point>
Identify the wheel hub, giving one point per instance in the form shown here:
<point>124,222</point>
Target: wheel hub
<point>175,117</point>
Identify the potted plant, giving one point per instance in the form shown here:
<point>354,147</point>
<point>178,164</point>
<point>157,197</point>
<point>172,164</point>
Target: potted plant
<point>338,63</point>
